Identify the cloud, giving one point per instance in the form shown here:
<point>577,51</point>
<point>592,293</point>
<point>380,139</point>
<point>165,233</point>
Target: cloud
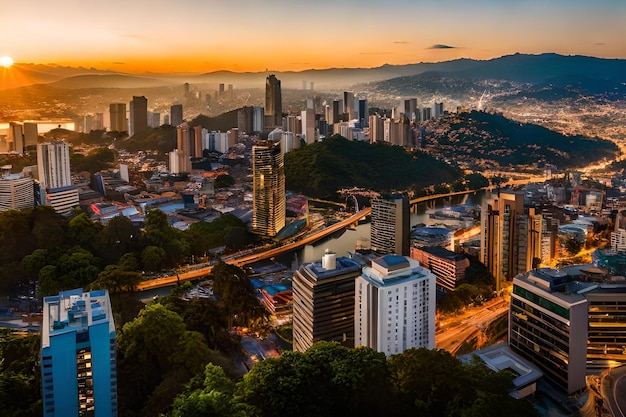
<point>401,42</point>
<point>374,53</point>
<point>600,43</point>
<point>441,46</point>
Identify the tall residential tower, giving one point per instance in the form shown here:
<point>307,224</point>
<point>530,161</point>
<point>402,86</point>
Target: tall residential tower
<point>268,189</point>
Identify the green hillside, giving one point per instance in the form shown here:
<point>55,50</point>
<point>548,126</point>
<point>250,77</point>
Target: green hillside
<point>321,168</point>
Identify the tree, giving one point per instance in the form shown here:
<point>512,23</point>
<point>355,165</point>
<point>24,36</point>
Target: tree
<point>573,245</point>
<point>83,230</point>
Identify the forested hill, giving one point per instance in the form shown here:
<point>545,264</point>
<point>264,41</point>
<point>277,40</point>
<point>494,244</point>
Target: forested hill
<point>480,140</point>
<point>320,169</point>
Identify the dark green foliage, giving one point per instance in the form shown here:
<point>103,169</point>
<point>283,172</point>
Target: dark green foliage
<point>20,375</point>
<point>161,139</point>
<point>321,168</point>
<point>224,181</point>
<point>227,230</point>
<point>97,160</point>
<point>222,122</point>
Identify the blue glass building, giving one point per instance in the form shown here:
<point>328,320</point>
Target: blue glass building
<point>78,369</point>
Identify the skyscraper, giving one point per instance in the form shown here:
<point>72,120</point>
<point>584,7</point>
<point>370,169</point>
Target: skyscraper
<point>323,302</point>
<point>78,369</point>
<point>395,306</point>
<point>273,102</point>
<point>53,167</point>
<point>138,115</point>
<point>308,125</point>
<point>390,229</point>
<point>268,189</point>
<point>176,112</point>
<point>510,236</point>
<point>117,112</point>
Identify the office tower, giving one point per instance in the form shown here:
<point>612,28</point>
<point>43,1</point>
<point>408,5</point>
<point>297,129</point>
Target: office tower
<point>15,138</point>
<point>426,114</point>
<point>221,89</point>
<point>186,145</point>
<point>53,167</point>
<point>390,224</point>
<point>395,306</point>
<point>154,119</point>
<point>448,267</point>
<point>31,133</point>
<point>258,119</point>
<point>437,110</point>
<point>323,302</point>
<point>348,102</point>
<point>53,164</point>
<point>363,113</point>
<point>308,125</point>
<point>117,112</point>
<point>312,84</point>
<point>510,236</point>
<point>16,192</point>
<point>78,369</point>
<point>138,115</point>
<point>273,102</point>
<point>245,116</point>
<point>176,114</point>
<point>288,142</point>
<point>186,89</point>
<point>548,326</point>
<point>231,93</point>
<point>268,189</point>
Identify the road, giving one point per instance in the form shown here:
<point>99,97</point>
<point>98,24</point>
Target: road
<point>613,389</point>
<point>254,257</point>
<point>455,331</point>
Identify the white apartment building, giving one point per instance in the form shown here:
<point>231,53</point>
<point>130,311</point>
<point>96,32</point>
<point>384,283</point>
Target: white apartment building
<point>395,306</point>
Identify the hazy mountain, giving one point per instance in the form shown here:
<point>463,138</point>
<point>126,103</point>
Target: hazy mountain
<point>521,68</point>
<point>109,81</point>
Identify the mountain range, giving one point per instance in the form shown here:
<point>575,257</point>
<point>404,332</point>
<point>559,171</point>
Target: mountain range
<point>518,68</point>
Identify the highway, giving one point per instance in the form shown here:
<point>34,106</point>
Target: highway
<point>248,258</point>
<point>254,257</point>
<point>455,331</point>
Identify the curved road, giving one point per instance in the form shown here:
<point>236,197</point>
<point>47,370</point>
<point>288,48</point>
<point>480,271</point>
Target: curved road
<point>613,389</point>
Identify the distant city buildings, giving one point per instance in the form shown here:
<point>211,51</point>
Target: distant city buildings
<point>395,306</point>
<point>78,370</point>
<point>176,114</point>
<point>323,302</point>
<point>390,224</point>
<point>268,189</point>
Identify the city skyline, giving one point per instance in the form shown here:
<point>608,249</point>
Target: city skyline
<point>251,36</point>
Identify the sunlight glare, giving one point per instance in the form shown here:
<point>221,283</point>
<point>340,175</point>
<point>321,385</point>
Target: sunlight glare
<point>6,61</point>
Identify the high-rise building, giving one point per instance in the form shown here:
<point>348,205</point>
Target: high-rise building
<point>548,326</point>
<point>78,369</point>
<point>323,302</point>
<point>138,115</point>
<point>395,306</point>
<point>53,166</point>
<point>363,113</point>
<point>390,230</point>
<point>16,137</point>
<point>258,119</point>
<point>448,267</point>
<point>17,192</point>
<point>117,113</point>
<point>273,102</point>
<point>348,100</point>
<point>511,237</point>
<point>377,128</point>
<point>245,117</point>
<point>308,125</point>
<point>176,114</point>
<point>268,189</point>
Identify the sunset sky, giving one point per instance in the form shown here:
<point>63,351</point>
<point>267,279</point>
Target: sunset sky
<point>252,35</point>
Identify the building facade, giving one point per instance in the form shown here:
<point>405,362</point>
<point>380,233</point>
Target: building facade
<point>273,102</point>
<point>53,166</point>
<point>548,327</point>
<point>78,369</point>
<point>16,192</point>
<point>117,113</point>
<point>268,189</point>
<point>323,302</point>
<point>395,306</point>
<point>390,230</point>
<point>138,120</point>
<point>511,237</point>
<point>448,267</point>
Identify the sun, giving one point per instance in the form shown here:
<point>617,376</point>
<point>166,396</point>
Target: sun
<point>6,61</point>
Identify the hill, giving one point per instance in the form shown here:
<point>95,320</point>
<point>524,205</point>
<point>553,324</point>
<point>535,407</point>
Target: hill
<point>322,168</point>
<point>481,140</point>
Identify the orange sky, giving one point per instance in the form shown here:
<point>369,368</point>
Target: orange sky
<point>281,35</point>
